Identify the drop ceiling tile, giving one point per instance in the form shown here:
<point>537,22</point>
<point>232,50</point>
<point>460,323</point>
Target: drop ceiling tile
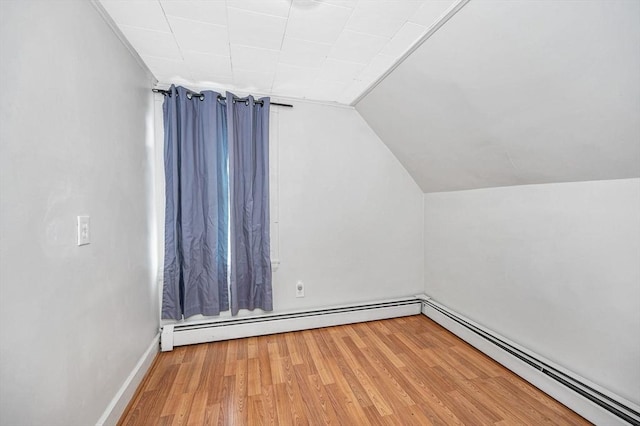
<point>357,47</point>
<point>352,92</point>
<point>332,50</point>
<point>142,14</point>
<point>166,70</point>
<point>315,21</point>
<point>212,12</point>
<point>206,79</point>
<point>430,11</point>
<point>343,3</point>
<point>381,17</point>
<point>325,90</point>
<point>253,59</point>
<point>199,36</point>
<point>252,81</point>
<point>256,29</point>
<point>202,63</point>
<point>334,70</point>
<point>404,39</point>
<point>378,66</point>
<point>293,81</point>
<point>303,53</point>
<point>275,8</point>
<point>152,43</point>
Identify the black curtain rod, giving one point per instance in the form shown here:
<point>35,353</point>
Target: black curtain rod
<point>220,97</point>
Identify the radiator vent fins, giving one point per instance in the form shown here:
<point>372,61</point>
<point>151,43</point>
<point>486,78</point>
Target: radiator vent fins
<point>620,410</point>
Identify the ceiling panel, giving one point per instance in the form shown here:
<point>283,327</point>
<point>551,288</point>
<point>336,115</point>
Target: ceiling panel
<point>252,81</point>
<point>326,90</point>
<point>278,47</point>
<point>247,58</point>
<point>274,7</point>
<point>137,13</point>
<point>378,66</point>
<point>256,29</point>
<point>316,21</point>
<point>353,90</point>
<point>344,71</point>
<point>403,39</point>
<point>152,43</point>
<point>303,53</point>
<point>357,47</point>
<point>168,69</point>
<point>212,12</point>
<point>344,3</point>
<point>291,80</point>
<point>381,17</point>
<point>196,36</point>
<point>209,68</point>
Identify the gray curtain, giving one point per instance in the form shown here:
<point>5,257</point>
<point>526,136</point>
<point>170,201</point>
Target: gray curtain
<point>250,271</point>
<point>196,213</point>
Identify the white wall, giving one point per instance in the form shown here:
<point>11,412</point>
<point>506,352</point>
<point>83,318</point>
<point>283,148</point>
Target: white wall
<point>554,267</point>
<point>75,116</point>
<point>350,214</point>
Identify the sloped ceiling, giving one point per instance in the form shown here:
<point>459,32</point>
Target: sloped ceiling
<point>517,92</point>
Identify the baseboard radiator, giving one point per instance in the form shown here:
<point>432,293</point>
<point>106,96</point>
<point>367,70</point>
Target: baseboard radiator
<point>188,333</point>
<point>587,399</point>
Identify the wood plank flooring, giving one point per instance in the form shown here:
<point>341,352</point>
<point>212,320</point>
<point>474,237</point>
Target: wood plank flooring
<point>403,371</point>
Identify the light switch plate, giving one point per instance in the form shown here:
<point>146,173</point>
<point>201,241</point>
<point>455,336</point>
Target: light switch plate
<point>84,230</point>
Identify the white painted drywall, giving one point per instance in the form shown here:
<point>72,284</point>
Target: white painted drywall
<point>554,267</point>
<point>517,92</point>
<point>76,139</point>
<point>350,216</point>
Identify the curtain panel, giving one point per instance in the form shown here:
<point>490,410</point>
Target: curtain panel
<point>216,161</point>
<point>250,279</point>
<point>196,210</point>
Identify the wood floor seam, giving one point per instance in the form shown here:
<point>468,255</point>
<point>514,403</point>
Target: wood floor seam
<point>401,371</point>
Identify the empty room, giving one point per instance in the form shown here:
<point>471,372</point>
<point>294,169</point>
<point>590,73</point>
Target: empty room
<point>347,212</point>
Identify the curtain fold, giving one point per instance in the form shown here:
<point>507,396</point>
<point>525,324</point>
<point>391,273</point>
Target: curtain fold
<point>250,259</point>
<point>196,211</point>
<point>217,247</point>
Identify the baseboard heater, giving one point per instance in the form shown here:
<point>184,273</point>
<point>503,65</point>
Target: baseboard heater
<point>188,333</point>
<point>613,406</point>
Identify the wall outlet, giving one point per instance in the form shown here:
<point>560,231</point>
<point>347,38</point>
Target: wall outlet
<point>84,231</point>
<point>299,289</point>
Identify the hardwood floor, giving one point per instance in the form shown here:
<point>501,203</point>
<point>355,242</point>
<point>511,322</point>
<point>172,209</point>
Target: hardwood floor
<point>403,371</point>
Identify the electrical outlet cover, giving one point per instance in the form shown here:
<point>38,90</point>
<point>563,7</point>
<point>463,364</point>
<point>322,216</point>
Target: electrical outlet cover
<point>84,230</point>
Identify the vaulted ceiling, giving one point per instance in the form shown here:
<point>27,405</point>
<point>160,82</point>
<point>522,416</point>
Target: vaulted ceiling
<point>517,92</point>
<point>466,94</point>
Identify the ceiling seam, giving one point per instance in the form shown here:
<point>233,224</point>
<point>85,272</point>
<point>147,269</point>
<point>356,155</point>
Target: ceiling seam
<point>171,29</point>
<point>284,34</point>
<point>226,11</point>
<point>430,31</point>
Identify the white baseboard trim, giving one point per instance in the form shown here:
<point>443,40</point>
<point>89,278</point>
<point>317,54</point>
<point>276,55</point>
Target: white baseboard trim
<point>119,402</point>
<point>188,333</point>
<point>522,361</point>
